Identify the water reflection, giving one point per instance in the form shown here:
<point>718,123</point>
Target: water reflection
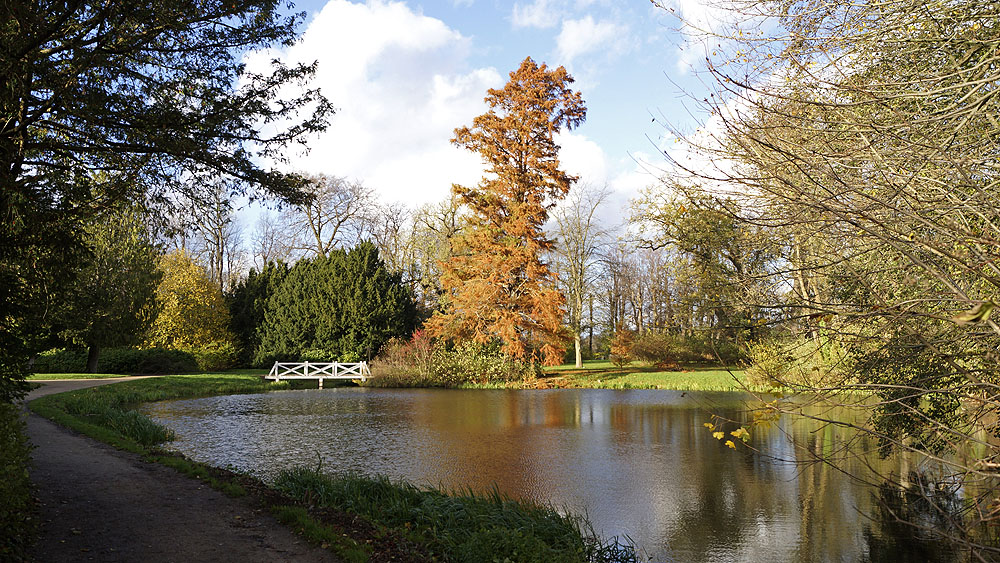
<point>638,462</point>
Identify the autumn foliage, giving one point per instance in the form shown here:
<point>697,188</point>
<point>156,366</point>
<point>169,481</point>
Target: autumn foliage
<point>498,287</point>
<point>193,313</point>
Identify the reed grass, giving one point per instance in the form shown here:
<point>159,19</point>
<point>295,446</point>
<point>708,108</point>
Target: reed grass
<point>18,513</point>
<point>465,526</point>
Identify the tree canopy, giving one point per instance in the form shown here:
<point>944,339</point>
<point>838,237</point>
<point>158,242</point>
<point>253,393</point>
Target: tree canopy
<point>865,136</point>
<point>247,303</point>
<point>111,302</point>
<point>498,287</point>
<point>147,93</point>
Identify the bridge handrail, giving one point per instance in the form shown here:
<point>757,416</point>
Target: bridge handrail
<point>319,370</point>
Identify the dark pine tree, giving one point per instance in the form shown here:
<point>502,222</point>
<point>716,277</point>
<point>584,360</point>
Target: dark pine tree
<point>344,307</point>
<point>246,306</point>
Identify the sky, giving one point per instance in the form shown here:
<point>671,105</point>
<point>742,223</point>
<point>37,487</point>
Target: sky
<point>404,74</point>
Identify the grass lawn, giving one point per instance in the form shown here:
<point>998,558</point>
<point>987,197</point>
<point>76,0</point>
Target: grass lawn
<point>602,374</point>
<point>256,372</point>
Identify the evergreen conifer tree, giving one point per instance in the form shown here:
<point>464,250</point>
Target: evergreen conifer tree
<point>247,302</point>
<point>344,306</point>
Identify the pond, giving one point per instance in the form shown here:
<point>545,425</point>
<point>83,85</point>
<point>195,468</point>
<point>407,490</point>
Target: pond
<point>638,462</point>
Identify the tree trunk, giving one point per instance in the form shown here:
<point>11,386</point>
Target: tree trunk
<point>92,355</point>
<point>590,344</point>
<point>579,352</point>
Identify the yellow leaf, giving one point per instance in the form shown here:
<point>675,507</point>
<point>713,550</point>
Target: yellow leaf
<point>730,444</point>
<point>718,435</point>
<point>709,425</point>
<point>741,433</point>
<point>979,313</point>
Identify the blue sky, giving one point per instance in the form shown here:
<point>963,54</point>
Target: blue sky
<point>405,74</point>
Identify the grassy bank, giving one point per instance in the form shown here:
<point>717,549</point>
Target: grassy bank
<point>358,518</point>
<point>457,527</point>
<point>107,412</point>
<point>602,374</point>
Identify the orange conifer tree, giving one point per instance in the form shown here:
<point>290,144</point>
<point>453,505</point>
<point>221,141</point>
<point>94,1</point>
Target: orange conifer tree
<point>498,287</point>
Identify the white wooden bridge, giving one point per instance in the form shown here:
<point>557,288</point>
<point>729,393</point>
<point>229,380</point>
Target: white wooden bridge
<point>281,371</point>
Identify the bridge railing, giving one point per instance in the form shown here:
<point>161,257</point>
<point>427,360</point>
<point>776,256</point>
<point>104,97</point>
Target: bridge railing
<point>319,370</point>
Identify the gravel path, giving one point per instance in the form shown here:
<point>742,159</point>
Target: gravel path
<point>102,504</point>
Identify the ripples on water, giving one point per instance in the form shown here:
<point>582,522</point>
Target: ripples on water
<point>637,462</point>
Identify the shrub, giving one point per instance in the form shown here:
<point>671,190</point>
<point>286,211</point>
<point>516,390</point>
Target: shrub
<point>797,362</point>
<point>621,348</point>
<point>216,357</point>
<point>768,364</point>
<point>667,350</point>
<point>657,348</point>
<point>471,362</point>
<point>17,526</point>
<point>424,363</point>
<point>135,360</point>
<point>405,363</point>
<point>59,360</point>
<point>146,361</point>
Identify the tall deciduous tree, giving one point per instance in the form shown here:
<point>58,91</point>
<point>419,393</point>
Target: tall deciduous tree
<point>498,286</point>
<point>867,133</point>
<point>731,259</point>
<point>146,91</point>
<point>580,237</point>
<point>111,302</point>
<point>192,311</point>
<point>336,215</point>
<point>218,233</point>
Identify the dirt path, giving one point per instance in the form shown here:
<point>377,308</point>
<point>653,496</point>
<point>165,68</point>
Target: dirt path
<point>102,504</point>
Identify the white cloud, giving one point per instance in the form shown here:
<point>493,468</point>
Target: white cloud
<point>540,13</point>
<point>401,83</point>
<point>583,36</point>
<point>582,157</point>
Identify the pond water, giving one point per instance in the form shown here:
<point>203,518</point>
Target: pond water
<point>637,462</point>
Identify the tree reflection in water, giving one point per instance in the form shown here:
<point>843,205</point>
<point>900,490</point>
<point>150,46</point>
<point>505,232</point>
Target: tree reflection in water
<point>919,519</point>
<point>638,462</point>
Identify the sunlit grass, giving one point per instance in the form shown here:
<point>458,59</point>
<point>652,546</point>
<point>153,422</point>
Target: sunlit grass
<point>694,380</point>
<point>55,376</point>
<point>602,374</point>
<point>587,365</point>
